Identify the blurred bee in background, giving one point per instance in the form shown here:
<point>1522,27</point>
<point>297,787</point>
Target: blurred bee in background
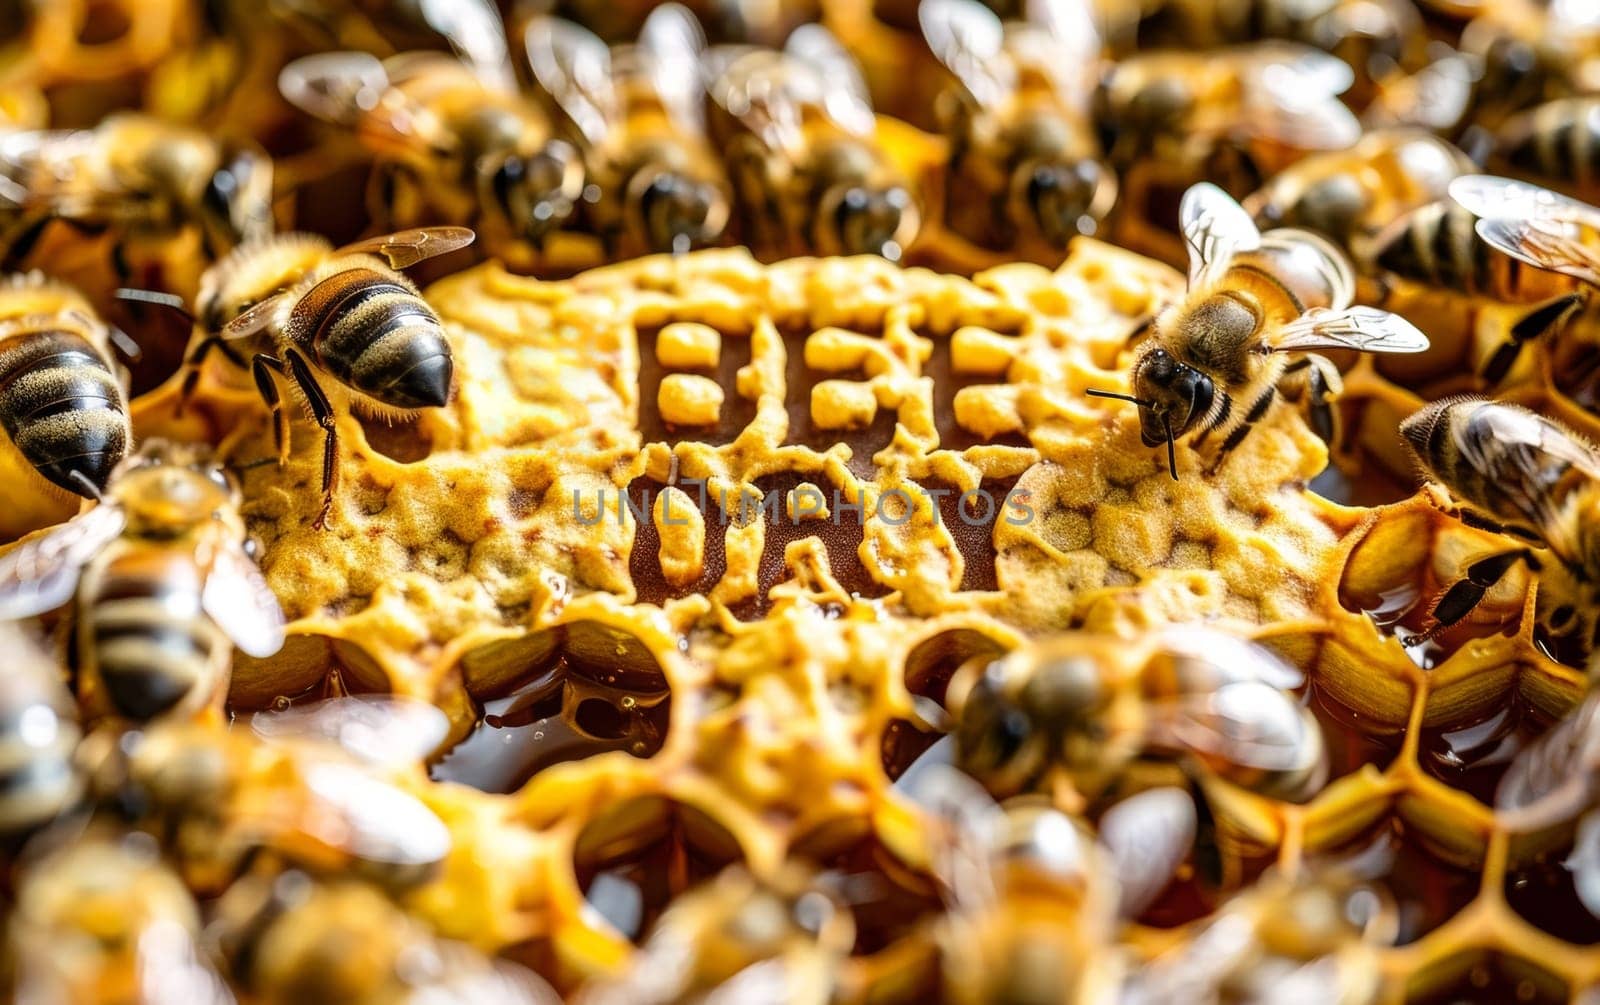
<point>1556,143</point>
<point>37,738</point>
<point>105,921</point>
<point>145,180</point>
<point>752,22</point>
<point>1310,938</point>
<point>1518,473</point>
<point>451,148</point>
<point>655,183</point>
<point>289,939</point>
<point>1025,172</point>
<point>164,588</point>
<point>300,306</point>
<point>1348,196</point>
<point>314,788</point>
<point>801,152</point>
<point>739,938</point>
<point>62,399</point>
<point>1214,362</point>
<point>1234,116</point>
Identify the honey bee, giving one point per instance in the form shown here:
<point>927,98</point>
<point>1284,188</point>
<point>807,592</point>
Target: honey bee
<point>1530,51</point>
<point>1517,473</point>
<point>638,112</point>
<point>781,939</point>
<point>1535,227</point>
<point>313,788</point>
<point>454,147</point>
<point>293,305</point>
<point>1557,142</point>
<point>103,921</point>
<point>63,404</point>
<point>1310,938</point>
<point>142,178</point>
<point>37,740</point>
<point>1349,196</point>
<point>164,588</point>
<point>808,170</point>
<point>1077,707</point>
<point>1235,115</point>
<point>1214,362</point>
<point>290,939</point>
<point>1025,171</point>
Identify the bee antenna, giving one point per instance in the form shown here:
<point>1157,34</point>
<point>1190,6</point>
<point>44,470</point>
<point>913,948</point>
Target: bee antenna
<point>1142,402</point>
<point>171,301</point>
<point>82,480</point>
<point>1172,449</point>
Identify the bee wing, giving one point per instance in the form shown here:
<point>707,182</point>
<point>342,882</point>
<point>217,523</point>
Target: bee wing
<point>964,824</point>
<point>406,248</point>
<point>1060,37</point>
<point>1246,723</point>
<point>41,574</point>
<point>968,39</point>
<point>573,66</point>
<point>765,92</point>
<point>845,96</point>
<point>1148,836</point>
<point>27,155</point>
<point>257,318</point>
<point>474,30</point>
<point>672,40</point>
<point>336,87</point>
<point>1584,863</point>
<point>1317,258</point>
<point>1291,94</point>
<point>1365,329</point>
<point>1558,769</point>
<point>239,601</point>
<point>1239,659</point>
<point>381,730</point>
<point>1436,97</point>
<point>379,823</point>
<point>1215,228</point>
<point>1545,244</point>
<point>1494,198</point>
<point>172,968</point>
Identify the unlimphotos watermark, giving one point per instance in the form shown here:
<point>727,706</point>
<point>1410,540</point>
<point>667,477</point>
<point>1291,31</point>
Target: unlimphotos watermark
<point>974,507</point>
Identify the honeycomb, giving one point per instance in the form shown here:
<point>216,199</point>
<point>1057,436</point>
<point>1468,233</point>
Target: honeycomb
<point>649,681</point>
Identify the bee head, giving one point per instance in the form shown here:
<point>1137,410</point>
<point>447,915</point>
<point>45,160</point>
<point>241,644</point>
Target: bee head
<point>536,193</point>
<point>868,220</point>
<point>1172,395</point>
<point>236,205</point>
<point>678,211</point>
<point>1009,732</point>
<point>167,487</point>
<point>1063,199</point>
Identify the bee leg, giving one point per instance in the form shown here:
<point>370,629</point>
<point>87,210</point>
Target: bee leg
<point>193,363</point>
<point>322,411</point>
<point>1257,410</point>
<point>262,367</point>
<point>20,241</point>
<point>1542,319</point>
<point>1321,385</point>
<point>1459,600</point>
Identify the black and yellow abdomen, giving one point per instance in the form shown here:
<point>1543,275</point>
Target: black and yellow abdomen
<point>62,406</point>
<point>142,632</point>
<point>374,332</point>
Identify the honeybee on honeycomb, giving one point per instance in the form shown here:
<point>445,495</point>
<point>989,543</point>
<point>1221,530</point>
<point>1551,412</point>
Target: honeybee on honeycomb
<point>452,147</point>
<point>313,788</point>
<point>37,740</point>
<point>638,113</point>
<point>801,150</point>
<point>1025,173</point>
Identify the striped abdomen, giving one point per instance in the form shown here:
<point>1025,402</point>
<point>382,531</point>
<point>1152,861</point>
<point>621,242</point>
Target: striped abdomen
<point>63,407</point>
<point>143,633</point>
<point>1438,246</point>
<point>376,334</point>
<point>1558,141</point>
<point>37,738</point>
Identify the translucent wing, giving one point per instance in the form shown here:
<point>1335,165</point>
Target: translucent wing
<point>574,67</point>
<point>256,319</point>
<point>1584,863</point>
<point>383,730</point>
<point>1148,836</point>
<point>474,30</point>
<point>1365,329</point>
<point>406,248</point>
<point>1232,657</point>
<point>240,602</point>
<point>1061,40</point>
<point>1559,768</point>
<point>1496,198</point>
<point>1436,97</point>
<point>846,99</point>
<point>1551,245</point>
<point>377,822</point>
<point>765,92</point>
<point>672,42</point>
<point>968,40</point>
<point>1291,94</point>
<point>964,827</point>
<point>337,87</point>
<point>172,968</point>
<point>1215,228</point>
<point>1313,257</point>
<point>1249,725</point>
<point>40,575</point>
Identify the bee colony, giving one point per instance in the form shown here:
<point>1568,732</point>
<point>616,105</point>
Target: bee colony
<point>898,500</point>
